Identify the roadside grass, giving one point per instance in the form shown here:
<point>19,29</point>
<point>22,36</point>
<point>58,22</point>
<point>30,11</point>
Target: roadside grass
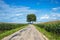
<point>9,32</point>
<point>49,35</point>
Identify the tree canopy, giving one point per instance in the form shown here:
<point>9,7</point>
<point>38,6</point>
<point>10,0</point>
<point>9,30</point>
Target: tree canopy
<point>31,17</point>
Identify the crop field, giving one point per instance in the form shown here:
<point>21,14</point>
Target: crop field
<point>9,28</point>
<point>50,29</point>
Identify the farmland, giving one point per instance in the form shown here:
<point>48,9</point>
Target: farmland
<point>50,29</point>
<point>9,28</point>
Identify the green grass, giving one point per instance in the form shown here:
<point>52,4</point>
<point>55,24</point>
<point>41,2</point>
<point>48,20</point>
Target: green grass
<point>49,35</point>
<point>50,29</point>
<point>9,32</point>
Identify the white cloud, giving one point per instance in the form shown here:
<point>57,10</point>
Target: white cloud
<point>13,13</point>
<point>44,17</point>
<point>50,17</point>
<point>55,14</point>
<point>5,8</point>
<point>55,9</point>
<point>19,14</point>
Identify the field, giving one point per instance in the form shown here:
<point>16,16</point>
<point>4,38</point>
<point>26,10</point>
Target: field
<point>9,28</point>
<point>50,29</point>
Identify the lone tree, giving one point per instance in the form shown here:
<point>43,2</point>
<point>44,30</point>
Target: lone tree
<point>31,18</point>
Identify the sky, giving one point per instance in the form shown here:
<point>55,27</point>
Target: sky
<point>15,11</point>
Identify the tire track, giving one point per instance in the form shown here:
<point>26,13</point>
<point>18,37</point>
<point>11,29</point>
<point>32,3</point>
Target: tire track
<point>28,33</point>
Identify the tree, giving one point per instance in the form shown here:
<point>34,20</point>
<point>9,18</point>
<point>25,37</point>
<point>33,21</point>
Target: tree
<point>31,18</point>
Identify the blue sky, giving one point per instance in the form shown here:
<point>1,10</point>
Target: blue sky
<point>15,11</point>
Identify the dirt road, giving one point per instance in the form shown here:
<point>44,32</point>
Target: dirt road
<point>28,33</point>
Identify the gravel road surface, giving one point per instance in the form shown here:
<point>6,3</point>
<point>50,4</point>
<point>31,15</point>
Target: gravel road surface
<point>28,33</point>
